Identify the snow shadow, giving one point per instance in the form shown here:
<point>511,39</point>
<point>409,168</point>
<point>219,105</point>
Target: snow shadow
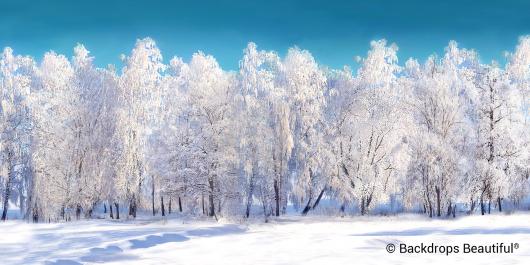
<point>97,255</point>
<point>153,240</point>
<point>113,253</point>
<point>63,262</point>
<point>216,231</point>
<point>110,253</point>
<point>460,231</point>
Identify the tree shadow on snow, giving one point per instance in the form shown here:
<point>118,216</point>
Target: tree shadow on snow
<point>115,253</point>
<point>460,231</point>
<point>216,231</point>
<point>97,255</point>
<point>62,262</point>
<point>110,253</point>
<point>153,240</point>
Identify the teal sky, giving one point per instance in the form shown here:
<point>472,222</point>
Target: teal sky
<point>335,31</point>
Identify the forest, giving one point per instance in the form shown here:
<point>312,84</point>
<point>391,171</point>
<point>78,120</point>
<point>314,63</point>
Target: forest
<point>443,137</point>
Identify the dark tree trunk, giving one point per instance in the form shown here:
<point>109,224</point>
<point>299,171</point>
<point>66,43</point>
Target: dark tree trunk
<point>249,196</point>
<point>365,203</point>
<point>153,193</point>
<point>362,205</point>
<point>489,206</point>
<point>211,198</point>
<point>6,199</point>
<point>499,202</point>
<point>132,206</point>
<point>180,205</point>
<point>104,208</point>
<point>307,207</point>
<point>163,209</point>
<point>169,206</point>
<point>89,213</point>
<point>369,200</point>
<point>343,208</point>
<point>111,213</point>
<point>318,198</point>
<point>277,197</point>
<point>10,178</point>
<point>438,206</point>
<point>35,213</point>
<point>78,212</point>
<point>117,205</point>
<point>430,207</point>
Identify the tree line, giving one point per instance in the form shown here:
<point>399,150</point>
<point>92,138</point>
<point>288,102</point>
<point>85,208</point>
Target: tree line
<point>446,135</point>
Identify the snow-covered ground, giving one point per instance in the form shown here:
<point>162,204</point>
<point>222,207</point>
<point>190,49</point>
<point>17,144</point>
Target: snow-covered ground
<point>288,240</point>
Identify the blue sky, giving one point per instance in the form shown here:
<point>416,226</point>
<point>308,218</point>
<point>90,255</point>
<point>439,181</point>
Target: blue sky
<point>335,31</point>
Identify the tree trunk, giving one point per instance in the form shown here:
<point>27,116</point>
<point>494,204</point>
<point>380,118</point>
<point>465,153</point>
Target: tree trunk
<point>111,214</point>
<point>104,208</point>
<point>22,200</point>
<point>343,209</point>
<point>162,208</point>
<point>489,206</point>
<point>202,203</point>
<point>211,198</point>
<point>265,210</point>
<point>249,195</point>
<point>430,207</point>
<point>35,212</point>
<point>6,198</point>
<point>277,197</point>
<point>307,207</point>
<point>482,207</point>
<point>427,196</point>
<point>499,202</point>
<point>169,207</point>
<point>117,205</point>
<point>472,207</point>
<point>319,197</point>
<point>180,205</point>
<point>362,205</point>
<point>153,193</point>
<point>438,206</point>
<point>369,200</point>
<point>10,178</point>
<point>132,206</point>
<point>78,212</point>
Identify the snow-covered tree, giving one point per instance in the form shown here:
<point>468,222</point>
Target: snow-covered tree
<point>304,83</point>
<point>139,95</point>
<point>369,137</point>
<point>15,127</point>
<point>439,139</point>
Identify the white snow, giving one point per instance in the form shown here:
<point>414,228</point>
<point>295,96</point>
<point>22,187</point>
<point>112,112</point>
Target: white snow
<point>288,240</point>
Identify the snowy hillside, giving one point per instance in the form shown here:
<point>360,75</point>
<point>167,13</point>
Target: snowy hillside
<point>288,240</point>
